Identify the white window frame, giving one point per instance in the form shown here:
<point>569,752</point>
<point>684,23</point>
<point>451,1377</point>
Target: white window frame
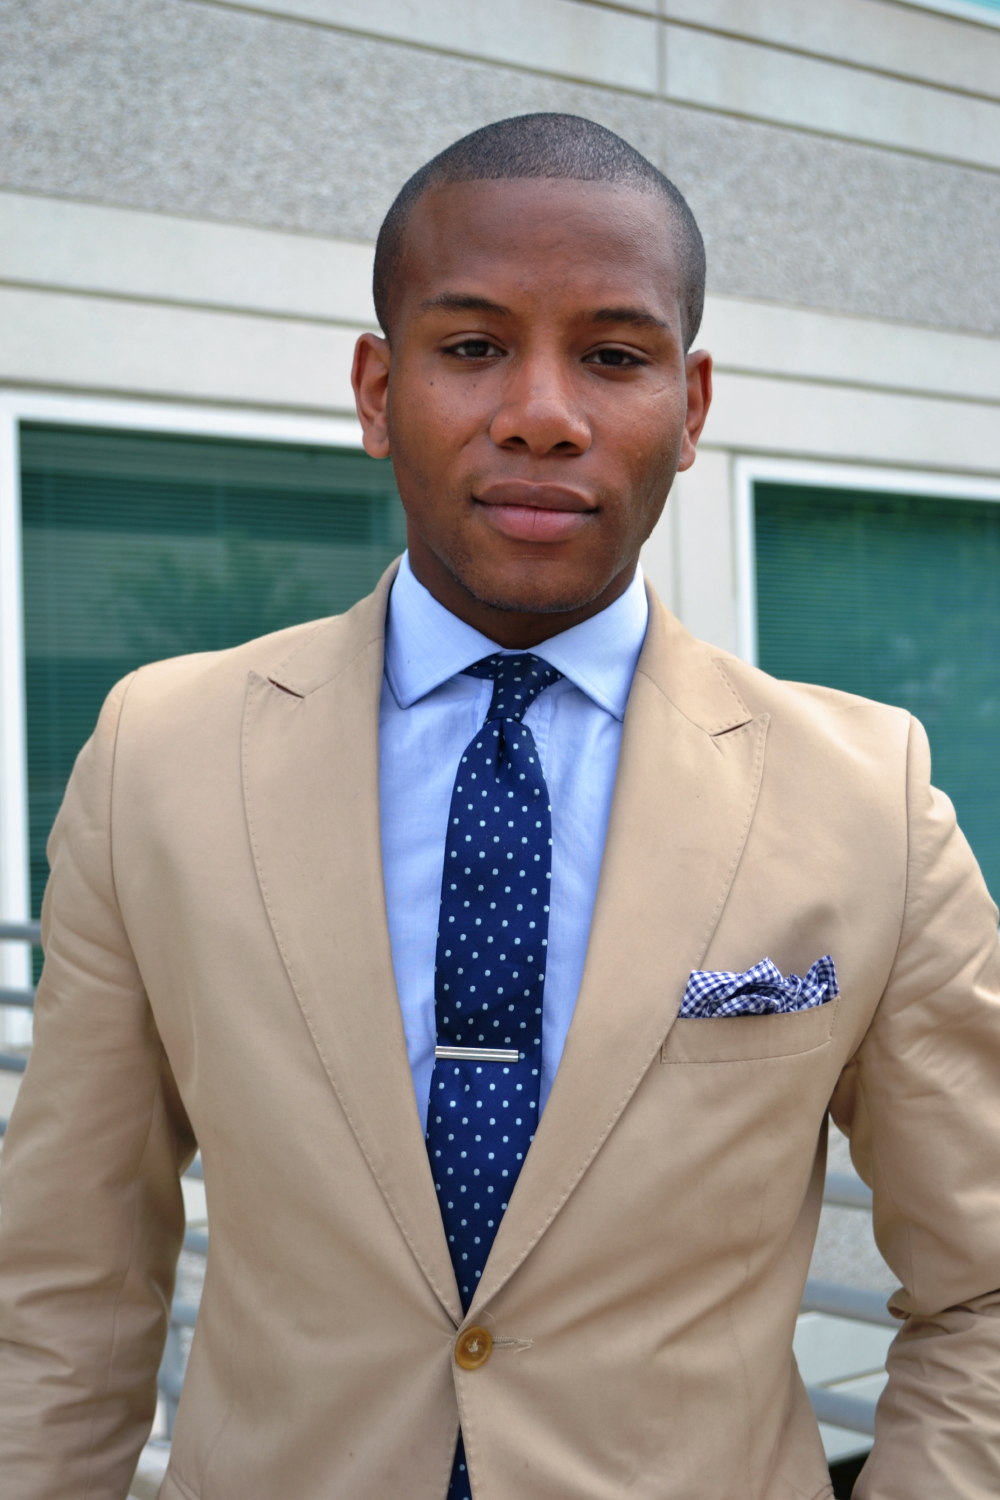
<point>175,418</point>
<point>750,471</point>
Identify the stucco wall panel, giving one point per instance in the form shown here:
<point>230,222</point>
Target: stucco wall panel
<point>191,109</point>
<point>790,217</point>
<point>163,104</point>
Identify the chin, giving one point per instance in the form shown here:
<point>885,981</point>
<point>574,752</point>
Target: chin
<point>545,591</point>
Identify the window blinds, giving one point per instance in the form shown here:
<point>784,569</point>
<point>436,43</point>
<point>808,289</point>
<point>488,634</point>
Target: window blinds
<point>141,546</point>
<point>895,597</point>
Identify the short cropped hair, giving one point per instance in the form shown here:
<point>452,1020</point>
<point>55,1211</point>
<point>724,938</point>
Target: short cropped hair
<point>554,146</point>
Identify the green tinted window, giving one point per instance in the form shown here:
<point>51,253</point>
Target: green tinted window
<point>138,547</point>
<point>897,598</point>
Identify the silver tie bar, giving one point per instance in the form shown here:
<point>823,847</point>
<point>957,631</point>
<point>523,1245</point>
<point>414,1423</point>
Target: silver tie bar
<point>477,1054</point>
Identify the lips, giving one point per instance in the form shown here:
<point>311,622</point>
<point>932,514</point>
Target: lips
<point>528,512</point>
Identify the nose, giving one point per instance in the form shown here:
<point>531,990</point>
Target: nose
<point>540,411</point>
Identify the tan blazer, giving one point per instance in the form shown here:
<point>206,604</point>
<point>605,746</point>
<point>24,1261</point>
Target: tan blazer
<point>218,970</point>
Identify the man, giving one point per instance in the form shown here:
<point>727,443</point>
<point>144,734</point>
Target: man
<point>441,927</point>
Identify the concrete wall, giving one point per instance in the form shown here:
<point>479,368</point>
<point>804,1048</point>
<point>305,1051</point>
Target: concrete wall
<point>843,155</point>
<point>190,189</point>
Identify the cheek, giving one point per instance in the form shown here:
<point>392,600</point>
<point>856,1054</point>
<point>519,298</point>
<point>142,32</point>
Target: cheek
<point>415,443</point>
<point>644,430</point>
<point>649,472</point>
<point>430,423</point>
<point>431,456</point>
<point>648,456</point>
<point>661,443</point>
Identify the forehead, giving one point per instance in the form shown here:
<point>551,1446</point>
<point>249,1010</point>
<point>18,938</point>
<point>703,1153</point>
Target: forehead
<point>539,237</point>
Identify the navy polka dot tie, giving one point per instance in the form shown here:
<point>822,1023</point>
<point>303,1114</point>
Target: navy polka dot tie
<point>490,975</point>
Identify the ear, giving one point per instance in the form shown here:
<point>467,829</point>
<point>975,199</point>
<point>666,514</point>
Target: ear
<point>698,367</point>
<point>370,379</point>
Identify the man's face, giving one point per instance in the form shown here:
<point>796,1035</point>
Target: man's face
<point>536,400</point>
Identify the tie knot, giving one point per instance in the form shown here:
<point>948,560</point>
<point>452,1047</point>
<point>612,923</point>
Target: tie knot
<point>517,682</point>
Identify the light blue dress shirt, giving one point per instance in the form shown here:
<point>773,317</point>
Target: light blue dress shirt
<point>428,714</point>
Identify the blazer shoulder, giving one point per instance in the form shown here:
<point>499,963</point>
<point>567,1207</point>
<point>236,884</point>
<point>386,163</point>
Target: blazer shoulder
<point>807,714</point>
<point>299,658</point>
<point>720,692</point>
<point>766,694</point>
<point>205,677</point>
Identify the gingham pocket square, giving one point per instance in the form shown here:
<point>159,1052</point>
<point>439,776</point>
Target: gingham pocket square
<point>761,991</point>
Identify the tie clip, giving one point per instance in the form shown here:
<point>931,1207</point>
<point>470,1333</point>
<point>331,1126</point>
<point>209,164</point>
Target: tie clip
<point>477,1054</point>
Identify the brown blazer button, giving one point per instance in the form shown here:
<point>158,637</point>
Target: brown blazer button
<point>473,1348</point>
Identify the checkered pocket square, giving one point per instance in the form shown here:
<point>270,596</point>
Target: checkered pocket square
<point>761,991</point>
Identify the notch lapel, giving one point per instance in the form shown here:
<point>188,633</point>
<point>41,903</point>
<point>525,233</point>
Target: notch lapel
<point>688,776</point>
<point>310,776</point>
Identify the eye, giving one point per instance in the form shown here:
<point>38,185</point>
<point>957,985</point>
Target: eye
<point>614,359</point>
<point>478,348</point>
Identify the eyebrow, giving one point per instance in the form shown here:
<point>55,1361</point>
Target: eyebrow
<point>458,302</point>
<point>637,317</point>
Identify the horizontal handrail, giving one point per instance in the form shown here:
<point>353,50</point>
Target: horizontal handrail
<point>21,932</point>
<point>184,1314</point>
<point>838,1410</point>
<point>845,1190</point>
<point>23,999</point>
<point>19,998</point>
<point>170,1384</point>
<point>847,1302</point>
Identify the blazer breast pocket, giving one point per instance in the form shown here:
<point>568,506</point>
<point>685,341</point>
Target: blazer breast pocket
<point>746,1039</point>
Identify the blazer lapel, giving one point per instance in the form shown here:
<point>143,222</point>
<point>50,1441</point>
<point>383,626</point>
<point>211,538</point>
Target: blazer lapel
<point>688,776</point>
<point>310,768</point>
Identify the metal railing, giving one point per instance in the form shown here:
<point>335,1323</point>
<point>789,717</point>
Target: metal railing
<point>842,1190</point>
<point>17,999</point>
<point>845,1190</point>
<point>182,1314</point>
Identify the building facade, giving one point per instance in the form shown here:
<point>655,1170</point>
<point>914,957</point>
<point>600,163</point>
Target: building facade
<point>189,196</point>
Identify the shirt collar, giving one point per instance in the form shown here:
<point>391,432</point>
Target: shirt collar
<point>425,645</point>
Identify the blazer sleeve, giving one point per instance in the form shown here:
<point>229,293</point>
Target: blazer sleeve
<point>921,1104</point>
<point>92,1211</point>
